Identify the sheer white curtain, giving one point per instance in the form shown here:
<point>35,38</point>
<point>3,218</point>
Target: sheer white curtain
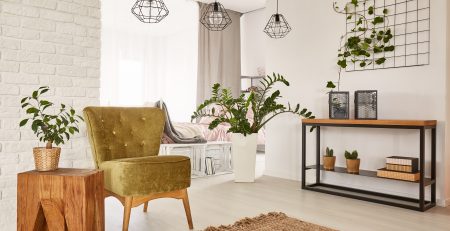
<point>147,62</point>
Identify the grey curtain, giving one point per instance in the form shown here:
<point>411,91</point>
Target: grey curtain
<point>219,57</point>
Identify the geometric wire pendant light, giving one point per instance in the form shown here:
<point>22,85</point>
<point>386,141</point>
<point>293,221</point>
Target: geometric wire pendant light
<point>215,18</point>
<point>150,11</point>
<point>277,27</point>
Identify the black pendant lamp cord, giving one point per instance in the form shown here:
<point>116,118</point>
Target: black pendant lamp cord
<point>216,6</point>
<point>277,16</point>
<point>277,6</point>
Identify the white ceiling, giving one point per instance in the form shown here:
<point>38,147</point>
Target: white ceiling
<point>242,6</point>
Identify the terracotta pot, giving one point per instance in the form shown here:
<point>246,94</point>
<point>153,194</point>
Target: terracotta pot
<point>46,159</point>
<point>328,162</point>
<point>353,166</point>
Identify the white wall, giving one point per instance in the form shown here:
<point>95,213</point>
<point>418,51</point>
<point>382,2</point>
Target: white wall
<point>54,43</point>
<point>447,125</point>
<point>253,39</point>
<point>307,58</point>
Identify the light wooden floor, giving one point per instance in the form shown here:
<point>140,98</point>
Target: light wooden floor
<point>217,200</point>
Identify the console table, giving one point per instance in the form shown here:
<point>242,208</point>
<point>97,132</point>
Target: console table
<point>419,204</point>
<point>64,199</point>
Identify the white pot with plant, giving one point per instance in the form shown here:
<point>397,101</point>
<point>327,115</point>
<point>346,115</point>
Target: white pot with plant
<point>51,128</point>
<point>261,103</point>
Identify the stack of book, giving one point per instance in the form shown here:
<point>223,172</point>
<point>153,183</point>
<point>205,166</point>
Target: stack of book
<point>400,168</point>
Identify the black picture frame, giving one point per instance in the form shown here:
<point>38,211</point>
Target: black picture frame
<point>366,105</point>
<point>339,105</point>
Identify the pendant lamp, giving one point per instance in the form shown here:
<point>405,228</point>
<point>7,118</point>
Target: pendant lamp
<point>215,18</point>
<point>150,11</point>
<point>277,27</point>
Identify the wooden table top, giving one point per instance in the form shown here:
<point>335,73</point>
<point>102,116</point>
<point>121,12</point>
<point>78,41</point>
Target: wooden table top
<point>424,123</point>
<point>65,172</point>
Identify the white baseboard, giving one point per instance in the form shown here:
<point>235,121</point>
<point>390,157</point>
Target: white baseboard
<point>443,203</point>
<point>279,175</point>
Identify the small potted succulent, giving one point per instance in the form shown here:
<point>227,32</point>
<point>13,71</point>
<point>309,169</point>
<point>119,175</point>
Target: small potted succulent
<point>51,128</point>
<point>352,162</point>
<point>329,159</point>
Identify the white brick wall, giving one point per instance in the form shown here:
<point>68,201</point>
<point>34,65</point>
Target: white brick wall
<point>44,42</point>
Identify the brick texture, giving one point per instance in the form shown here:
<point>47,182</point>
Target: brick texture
<point>52,43</point>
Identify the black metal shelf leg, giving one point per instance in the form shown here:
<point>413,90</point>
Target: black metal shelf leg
<point>317,154</point>
<point>303,156</point>
<point>433,165</point>
<point>422,170</point>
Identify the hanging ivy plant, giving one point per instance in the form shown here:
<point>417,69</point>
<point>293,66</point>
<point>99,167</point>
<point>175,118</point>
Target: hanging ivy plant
<point>369,35</point>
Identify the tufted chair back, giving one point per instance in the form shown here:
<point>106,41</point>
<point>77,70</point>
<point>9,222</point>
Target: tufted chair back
<point>118,132</point>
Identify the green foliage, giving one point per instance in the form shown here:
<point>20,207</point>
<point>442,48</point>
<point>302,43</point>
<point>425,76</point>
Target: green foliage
<point>331,85</point>
<point>351,156</point>
<point>261,100</point>
<point>365,39</point>
<point>329,152</point>
<point>51,128</point>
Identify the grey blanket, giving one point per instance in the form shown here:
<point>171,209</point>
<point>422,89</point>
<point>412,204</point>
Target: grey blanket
<point>170,131</point>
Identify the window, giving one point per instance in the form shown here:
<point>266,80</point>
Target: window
<point>143,63</point>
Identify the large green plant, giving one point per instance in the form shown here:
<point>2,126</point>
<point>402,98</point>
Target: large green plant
<point>369,38</point>
<point>261,100</point>
<point>50,128</point>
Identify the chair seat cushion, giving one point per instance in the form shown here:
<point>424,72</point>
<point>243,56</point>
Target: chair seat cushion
<point>142,176</point>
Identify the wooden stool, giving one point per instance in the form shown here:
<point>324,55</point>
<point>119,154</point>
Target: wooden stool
<point>64,199</point>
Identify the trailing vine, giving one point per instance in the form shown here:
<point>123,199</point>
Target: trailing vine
<point>370,35</point>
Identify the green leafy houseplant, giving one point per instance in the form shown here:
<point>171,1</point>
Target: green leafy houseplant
<point>351,156</point>
<point>261,101</point>
<point>367,41</point>
<point>50,128</point>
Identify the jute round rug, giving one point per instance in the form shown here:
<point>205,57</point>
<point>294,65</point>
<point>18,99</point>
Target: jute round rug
<point>270,222</point>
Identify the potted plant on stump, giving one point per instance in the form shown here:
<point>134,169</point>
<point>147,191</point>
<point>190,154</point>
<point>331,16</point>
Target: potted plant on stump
<point>329,159</point>
<point>261,105</point>
<point>352,162</point>
<point>55,128</point>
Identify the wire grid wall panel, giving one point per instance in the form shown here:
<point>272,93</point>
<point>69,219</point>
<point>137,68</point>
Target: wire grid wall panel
<point>409,21</point>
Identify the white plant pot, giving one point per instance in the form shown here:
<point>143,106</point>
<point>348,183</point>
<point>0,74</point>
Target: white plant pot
<point>244,157</point>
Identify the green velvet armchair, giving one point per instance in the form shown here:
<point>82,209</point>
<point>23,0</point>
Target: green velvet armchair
<point>125,145</point>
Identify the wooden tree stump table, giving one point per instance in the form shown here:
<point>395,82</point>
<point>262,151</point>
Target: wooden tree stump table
<point>64,199</point>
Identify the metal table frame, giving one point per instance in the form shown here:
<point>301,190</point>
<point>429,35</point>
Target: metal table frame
<point>382,198</point>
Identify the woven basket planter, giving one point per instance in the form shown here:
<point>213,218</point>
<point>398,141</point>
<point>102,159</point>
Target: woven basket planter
<point>46,159</point>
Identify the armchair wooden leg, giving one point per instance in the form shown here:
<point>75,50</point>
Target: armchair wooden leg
<point>145,206</point>
<point>187,208</point>
<point>130,202</point>
<point>126,213</point>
